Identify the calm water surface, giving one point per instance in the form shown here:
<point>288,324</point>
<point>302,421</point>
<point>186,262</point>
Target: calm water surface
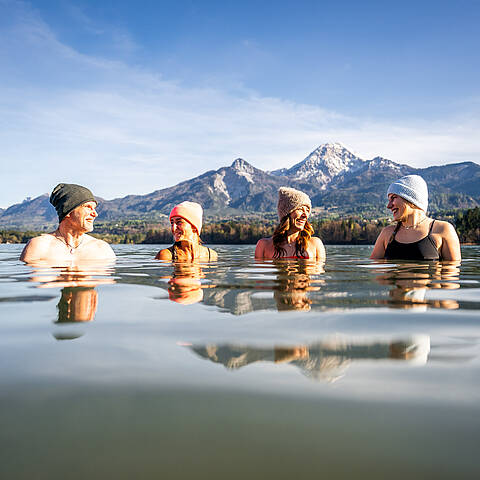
<point>240,368</point>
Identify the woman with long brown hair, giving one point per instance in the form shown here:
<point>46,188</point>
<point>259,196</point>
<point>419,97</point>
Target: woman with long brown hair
<point>293,236</point>
<point>186,224</point>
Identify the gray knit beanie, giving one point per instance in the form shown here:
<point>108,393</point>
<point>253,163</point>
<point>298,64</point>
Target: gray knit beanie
<point>66,197</point>
<point>412,188</point>
<point>289,199</point>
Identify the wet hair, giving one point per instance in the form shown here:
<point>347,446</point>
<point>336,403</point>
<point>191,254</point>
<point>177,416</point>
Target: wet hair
<point>280,236</point>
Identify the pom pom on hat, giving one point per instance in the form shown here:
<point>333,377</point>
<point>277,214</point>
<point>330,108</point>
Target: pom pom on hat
<point>191,211</point>
<point>290,199</point>
<point>412,188</point>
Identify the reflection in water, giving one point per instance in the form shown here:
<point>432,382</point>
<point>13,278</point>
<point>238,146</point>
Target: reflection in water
<point>381,409</point>
<point>411,281</point>
<point>77,304</point>
<point>185,285</point>
<point>346,282</point>
<point>326,360</point>
<point>78,298</point>
<point>293,283</point>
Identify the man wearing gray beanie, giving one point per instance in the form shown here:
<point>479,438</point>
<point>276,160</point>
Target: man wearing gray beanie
<point>415,236</point>
<point>76,210</point>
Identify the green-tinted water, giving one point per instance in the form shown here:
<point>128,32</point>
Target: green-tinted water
<point>240,368</point>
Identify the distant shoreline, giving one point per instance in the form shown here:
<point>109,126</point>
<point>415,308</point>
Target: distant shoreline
<point>332,231</point>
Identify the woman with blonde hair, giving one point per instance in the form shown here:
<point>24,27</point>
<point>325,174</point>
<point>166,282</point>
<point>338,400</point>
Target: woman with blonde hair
<point>415,235</point>
<point>186,224</point>
<point>293,236</point>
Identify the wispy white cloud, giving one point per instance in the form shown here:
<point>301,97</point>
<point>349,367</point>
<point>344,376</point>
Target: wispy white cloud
<point>67,116</point>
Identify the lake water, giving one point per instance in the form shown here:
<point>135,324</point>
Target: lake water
<point>239,368</point>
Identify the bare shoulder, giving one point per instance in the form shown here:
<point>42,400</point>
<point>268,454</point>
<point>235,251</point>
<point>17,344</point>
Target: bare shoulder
<point>265,241</point>
<point>262,247</point>
<point>316,241</point>
<point>319,248</point>
<point>381,243</point>
<point>386,233</point>
<point>443,228</point>
<point>388,230</point>
<point>102,247</point>
<point>164,254</point>
<point>37,247</point>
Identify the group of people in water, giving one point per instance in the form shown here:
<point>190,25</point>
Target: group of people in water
<point>414,236</point>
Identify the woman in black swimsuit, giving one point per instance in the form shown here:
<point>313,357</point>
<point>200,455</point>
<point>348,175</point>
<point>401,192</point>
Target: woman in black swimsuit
<point>186,224</point>
<point>415,236</point>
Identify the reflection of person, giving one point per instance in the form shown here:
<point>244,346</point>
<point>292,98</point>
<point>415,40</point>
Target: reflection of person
<point>326,360</point>
<point>293,236</point>
<point>412,282</point>
<point>293,285</point>
<point>186,223</point>
<point>76,209</point>
<point>77,304</point>
<point>185,286</point>
<point>415,236</point>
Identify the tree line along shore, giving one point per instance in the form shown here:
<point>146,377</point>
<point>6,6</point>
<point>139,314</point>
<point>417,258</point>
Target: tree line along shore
<point>340,231</point>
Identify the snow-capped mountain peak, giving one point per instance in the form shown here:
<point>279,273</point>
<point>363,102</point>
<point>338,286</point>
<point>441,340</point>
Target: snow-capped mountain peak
<point>324,163</point>
<point>240,165</point>
<point>243,169</point>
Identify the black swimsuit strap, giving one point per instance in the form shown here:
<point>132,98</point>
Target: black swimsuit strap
<point>431,226</point>
<point>397,228</point>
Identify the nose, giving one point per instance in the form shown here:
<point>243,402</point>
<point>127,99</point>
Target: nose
<point>94,213</point>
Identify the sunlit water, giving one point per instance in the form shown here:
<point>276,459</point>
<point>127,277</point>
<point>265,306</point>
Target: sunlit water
<point>240,368</point>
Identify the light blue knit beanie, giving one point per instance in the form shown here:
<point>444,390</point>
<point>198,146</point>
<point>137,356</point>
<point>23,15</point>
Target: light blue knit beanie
<point>412,188</point>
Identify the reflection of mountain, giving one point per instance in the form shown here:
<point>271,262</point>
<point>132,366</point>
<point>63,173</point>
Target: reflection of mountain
<point>238,302</point>
<point>325,360</point>
<point>335,178</point>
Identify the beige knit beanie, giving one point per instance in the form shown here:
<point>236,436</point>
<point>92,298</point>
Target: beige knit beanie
<point>290,199</point>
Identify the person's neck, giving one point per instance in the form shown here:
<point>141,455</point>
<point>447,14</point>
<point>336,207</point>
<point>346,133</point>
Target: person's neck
<point>414,218</point>
<point>292,235</point>
<point>189,246</point>
<point>71,236</point>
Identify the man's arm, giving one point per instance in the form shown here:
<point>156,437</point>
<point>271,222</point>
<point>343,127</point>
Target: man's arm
<point>35,249</point>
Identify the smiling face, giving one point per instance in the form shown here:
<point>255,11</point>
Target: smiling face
<point>182,230</point>
<point>82,217</point>
<point>399,207</point>
<point>299,217</point>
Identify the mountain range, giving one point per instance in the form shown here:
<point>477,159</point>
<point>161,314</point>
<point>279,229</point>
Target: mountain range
<point>336,180</point>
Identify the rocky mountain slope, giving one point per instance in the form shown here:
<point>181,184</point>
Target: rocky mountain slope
<point>336,180</point>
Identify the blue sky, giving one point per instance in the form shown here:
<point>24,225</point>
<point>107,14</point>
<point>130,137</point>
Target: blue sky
<point>129,97</point>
